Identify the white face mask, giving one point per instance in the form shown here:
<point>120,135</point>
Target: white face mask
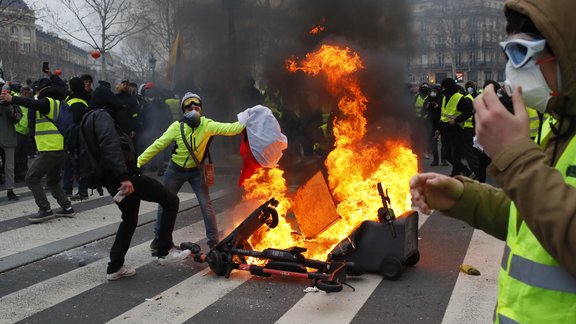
<point>433,94</point>
<point>470,90</point>
<point>535,90</point>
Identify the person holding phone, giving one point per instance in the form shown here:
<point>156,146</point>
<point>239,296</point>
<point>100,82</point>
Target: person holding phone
<point>534,209</point>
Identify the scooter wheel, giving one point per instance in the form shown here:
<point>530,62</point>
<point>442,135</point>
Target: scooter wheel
<point>353,270</point>
<point>329,286</point>
<point>413,259</point>
<point>216,262</point>
<point>391,268</point>
<point>272,220</point>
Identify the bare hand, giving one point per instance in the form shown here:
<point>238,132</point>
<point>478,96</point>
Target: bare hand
<point>6,97</point>
<point>126,187</point>
<point>496,128</point>
<point>435,191</point>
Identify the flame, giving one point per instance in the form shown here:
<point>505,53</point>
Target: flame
<point>354,166</point>
<point>317,29</point>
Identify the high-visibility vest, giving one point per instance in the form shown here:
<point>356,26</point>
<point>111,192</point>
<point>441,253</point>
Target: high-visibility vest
<point>532,286</point>
<point>21,126</point>
<point>468,123</point>
<point>174,105</point>
<point>47,136</point>
<point>449,109</point>
<point>534,121</point>
<point>72,101</point>
<point>419,104</point>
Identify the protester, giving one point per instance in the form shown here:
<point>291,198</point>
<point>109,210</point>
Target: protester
<point>115,154</point>
<point>50,145</point>
<point>25,141</point>
<point>78,101</point>
<point>198,131</point>
<point>9,115</point>
<point>535,209</point>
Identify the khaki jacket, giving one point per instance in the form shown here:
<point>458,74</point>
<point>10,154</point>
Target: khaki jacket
<point>523,171</point>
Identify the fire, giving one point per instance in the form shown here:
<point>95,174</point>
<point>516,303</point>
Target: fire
<point>354,166</point>
<point>317,29</point>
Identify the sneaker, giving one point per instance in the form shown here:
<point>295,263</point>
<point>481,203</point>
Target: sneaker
<point>124,272</point>
<point>66,212</point>
<point>79,197</point>
<point>11,195</point>
<point>42,215</point>
<point>173,256</point>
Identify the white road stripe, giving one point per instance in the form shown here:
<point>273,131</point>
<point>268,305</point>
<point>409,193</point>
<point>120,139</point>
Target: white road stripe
<point>31,300</point>
<point>184,300</point>
<point>35,235</point>
<point>328,307</point>
<point>474,297</point>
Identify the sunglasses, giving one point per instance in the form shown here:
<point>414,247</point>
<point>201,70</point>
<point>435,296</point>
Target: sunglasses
<point>520,51</point>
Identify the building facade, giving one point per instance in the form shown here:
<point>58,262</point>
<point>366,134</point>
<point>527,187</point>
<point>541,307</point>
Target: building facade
<point>24,46</point>
<point>458,39</point>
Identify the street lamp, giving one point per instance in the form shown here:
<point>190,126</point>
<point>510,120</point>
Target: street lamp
<point>152,62</point>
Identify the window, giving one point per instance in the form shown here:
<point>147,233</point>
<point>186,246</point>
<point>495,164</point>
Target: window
<point>487,75</point>
<point>14,31</point>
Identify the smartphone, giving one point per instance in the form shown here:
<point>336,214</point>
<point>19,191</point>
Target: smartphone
<point>119,196</point>
<point>45,67</point>
<point>505,96</point>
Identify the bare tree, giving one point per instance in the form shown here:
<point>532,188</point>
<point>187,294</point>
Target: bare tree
<point>101,24</point>
<point>11,11</point>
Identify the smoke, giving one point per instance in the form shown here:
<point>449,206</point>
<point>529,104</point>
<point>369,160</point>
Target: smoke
<point>227,41</point>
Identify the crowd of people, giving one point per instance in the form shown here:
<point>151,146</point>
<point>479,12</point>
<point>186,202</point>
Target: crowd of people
<point>113,124</point>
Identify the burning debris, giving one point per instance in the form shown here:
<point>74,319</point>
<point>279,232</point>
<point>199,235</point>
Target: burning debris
<point>353,167</point>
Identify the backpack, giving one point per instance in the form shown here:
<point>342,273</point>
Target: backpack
<point>64,119</point>
<point>83,159</point>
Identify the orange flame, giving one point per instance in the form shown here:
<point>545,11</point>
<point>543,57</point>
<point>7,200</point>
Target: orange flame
<point>354,166</point>
<point>317,29</point>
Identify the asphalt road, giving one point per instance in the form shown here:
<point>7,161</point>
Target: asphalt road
<point>54,272</point>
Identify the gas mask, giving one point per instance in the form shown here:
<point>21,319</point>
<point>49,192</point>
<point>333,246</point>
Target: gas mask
<point>192,118</point>
<point>535,90</point>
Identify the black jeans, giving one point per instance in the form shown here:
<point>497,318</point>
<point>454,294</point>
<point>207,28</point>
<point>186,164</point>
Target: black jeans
<point>148,189</point>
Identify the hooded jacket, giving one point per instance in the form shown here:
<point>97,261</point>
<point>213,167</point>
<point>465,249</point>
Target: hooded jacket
<point>544,201</point>
<point>112,148</point>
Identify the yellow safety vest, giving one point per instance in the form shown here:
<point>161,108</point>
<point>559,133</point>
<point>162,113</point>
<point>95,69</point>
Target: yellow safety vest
<point>21,126</point>
<point>468,122</point>
<point>532,286</point>
<point>449,109</point>
<point>534,121</point>
<point>419,104</point>
<point>47,136</point>
<point>72,101</point>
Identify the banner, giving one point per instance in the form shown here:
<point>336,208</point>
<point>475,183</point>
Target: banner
<point>174,62</point>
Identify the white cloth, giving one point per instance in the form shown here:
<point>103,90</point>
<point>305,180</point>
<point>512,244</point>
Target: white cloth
<point>264,135</point>
<point>476,144</point>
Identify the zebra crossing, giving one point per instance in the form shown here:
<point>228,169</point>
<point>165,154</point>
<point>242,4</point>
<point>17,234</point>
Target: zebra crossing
<point>54,272</point>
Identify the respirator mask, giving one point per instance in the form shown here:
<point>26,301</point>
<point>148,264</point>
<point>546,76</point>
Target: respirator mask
<point>522,70</point>
<point>192,118</point>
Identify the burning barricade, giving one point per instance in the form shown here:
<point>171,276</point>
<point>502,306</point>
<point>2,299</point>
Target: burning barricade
<point>338,217</point>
